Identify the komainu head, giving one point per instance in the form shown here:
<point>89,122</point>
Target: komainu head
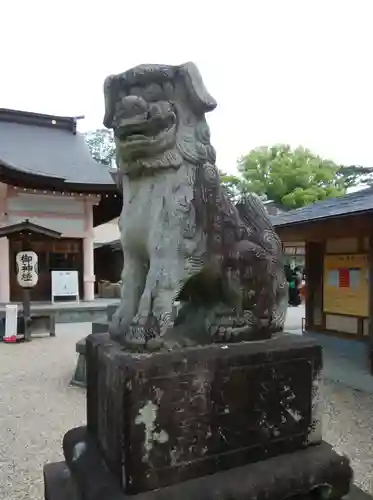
<point>157,114</point>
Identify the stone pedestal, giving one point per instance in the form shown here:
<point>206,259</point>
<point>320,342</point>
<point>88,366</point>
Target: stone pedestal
<point>302,475</point>
<point>222,420</point>
<point>80,378</point>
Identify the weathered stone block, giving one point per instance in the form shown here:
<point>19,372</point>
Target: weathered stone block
<point>100,327</point>
<point>315,472</point>
<point>79,378</point>
<point>58,483</point>
<point>167,417</point>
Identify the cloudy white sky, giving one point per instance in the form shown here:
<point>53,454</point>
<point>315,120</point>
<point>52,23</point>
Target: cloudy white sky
<point>295,71</point>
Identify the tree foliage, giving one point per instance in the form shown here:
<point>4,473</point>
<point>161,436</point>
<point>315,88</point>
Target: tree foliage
<point>101,146</point>
<point>289,177</point>
<point>292,177</point>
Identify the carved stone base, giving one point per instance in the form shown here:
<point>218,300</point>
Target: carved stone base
<point>174,416</point>
<point>317,470</point>
<point>80,376</point>
<point>58,482</point>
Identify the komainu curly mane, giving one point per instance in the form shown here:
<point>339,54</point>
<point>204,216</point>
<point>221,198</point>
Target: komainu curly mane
<point>183,240</point>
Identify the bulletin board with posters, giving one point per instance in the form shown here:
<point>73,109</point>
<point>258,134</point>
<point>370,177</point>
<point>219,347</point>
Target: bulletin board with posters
<point>346,284</point>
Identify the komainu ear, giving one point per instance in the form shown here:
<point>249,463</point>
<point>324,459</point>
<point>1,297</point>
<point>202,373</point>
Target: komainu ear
<point>109,101</point>
<point>200,99</point>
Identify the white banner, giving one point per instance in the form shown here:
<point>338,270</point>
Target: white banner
<point>65,284</point>
<point>11,313</point>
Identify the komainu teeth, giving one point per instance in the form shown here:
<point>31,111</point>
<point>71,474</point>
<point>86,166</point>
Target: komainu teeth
<point>148,129</point>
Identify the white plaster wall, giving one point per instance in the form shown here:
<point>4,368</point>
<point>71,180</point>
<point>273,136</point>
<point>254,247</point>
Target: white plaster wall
<point>338,323</point>
<point>40,203</point>
<point>63,213</point>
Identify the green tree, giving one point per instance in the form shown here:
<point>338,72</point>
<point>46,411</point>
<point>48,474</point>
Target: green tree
<point>101,145</point>
<point>293,177</point>
<point>234,187</point>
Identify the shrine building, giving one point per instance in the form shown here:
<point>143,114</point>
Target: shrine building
<point>52,190</point>
<point>338,241</point>
<point>338,238</point>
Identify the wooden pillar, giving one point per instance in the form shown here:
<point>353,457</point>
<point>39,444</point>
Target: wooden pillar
<point>314,275</point>
<point>88,269</point>
<point>370,338</point>
<point>88,254</point>
<point>4,270</point>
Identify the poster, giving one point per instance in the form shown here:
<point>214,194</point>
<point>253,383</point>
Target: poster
<point>346,286</point>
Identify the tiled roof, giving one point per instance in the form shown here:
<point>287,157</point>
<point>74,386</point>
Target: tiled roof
<point>48,146</point>
<point>114,244</point>
<point>106,233</point>
<point>352,203</point>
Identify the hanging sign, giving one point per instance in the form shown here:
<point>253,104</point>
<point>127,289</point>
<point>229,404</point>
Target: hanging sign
<point>27,269</point>
<point>65,284</point>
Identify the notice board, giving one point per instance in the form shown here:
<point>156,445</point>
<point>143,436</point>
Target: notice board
<point>346,284</point>
<point>65,284</point>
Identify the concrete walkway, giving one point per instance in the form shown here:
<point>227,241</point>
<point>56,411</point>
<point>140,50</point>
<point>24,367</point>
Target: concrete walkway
<point>345,361</point>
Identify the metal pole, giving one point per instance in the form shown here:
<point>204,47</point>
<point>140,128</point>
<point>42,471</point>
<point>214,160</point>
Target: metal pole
<point>26,297</point>
<point>26,313</point>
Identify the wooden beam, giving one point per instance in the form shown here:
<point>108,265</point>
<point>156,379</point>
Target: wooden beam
<point>353,226</point>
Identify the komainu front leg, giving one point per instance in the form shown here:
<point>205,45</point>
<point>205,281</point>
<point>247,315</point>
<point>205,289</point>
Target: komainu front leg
<point>155,314</point>
<point>133,279</point>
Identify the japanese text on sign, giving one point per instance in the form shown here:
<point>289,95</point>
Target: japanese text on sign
<point>27,269</point>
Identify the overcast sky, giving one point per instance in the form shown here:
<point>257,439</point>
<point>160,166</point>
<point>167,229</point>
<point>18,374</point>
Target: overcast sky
<point>292,71</point>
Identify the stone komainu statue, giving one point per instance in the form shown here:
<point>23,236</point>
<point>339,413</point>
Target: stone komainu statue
<point>183,240</point>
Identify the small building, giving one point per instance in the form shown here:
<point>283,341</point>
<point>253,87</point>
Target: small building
<point>108,268</point>
<point>49,181</point>
<point>294,251</point>
<point>108,258</point>
<point>338,236</point>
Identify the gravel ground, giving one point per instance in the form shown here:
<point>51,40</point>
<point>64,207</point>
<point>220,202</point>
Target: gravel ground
<point>37,406</point>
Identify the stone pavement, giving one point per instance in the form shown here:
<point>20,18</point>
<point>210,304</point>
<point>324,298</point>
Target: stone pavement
<point>294,315</point>
<point>37,406</point>
<point>345,361</point>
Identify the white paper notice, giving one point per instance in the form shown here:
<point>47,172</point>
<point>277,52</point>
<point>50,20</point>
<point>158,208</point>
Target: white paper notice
<point>355,276</point>
<point>333,278</point>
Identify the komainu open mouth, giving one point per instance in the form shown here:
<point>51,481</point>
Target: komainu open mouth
<point>146,129</point>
